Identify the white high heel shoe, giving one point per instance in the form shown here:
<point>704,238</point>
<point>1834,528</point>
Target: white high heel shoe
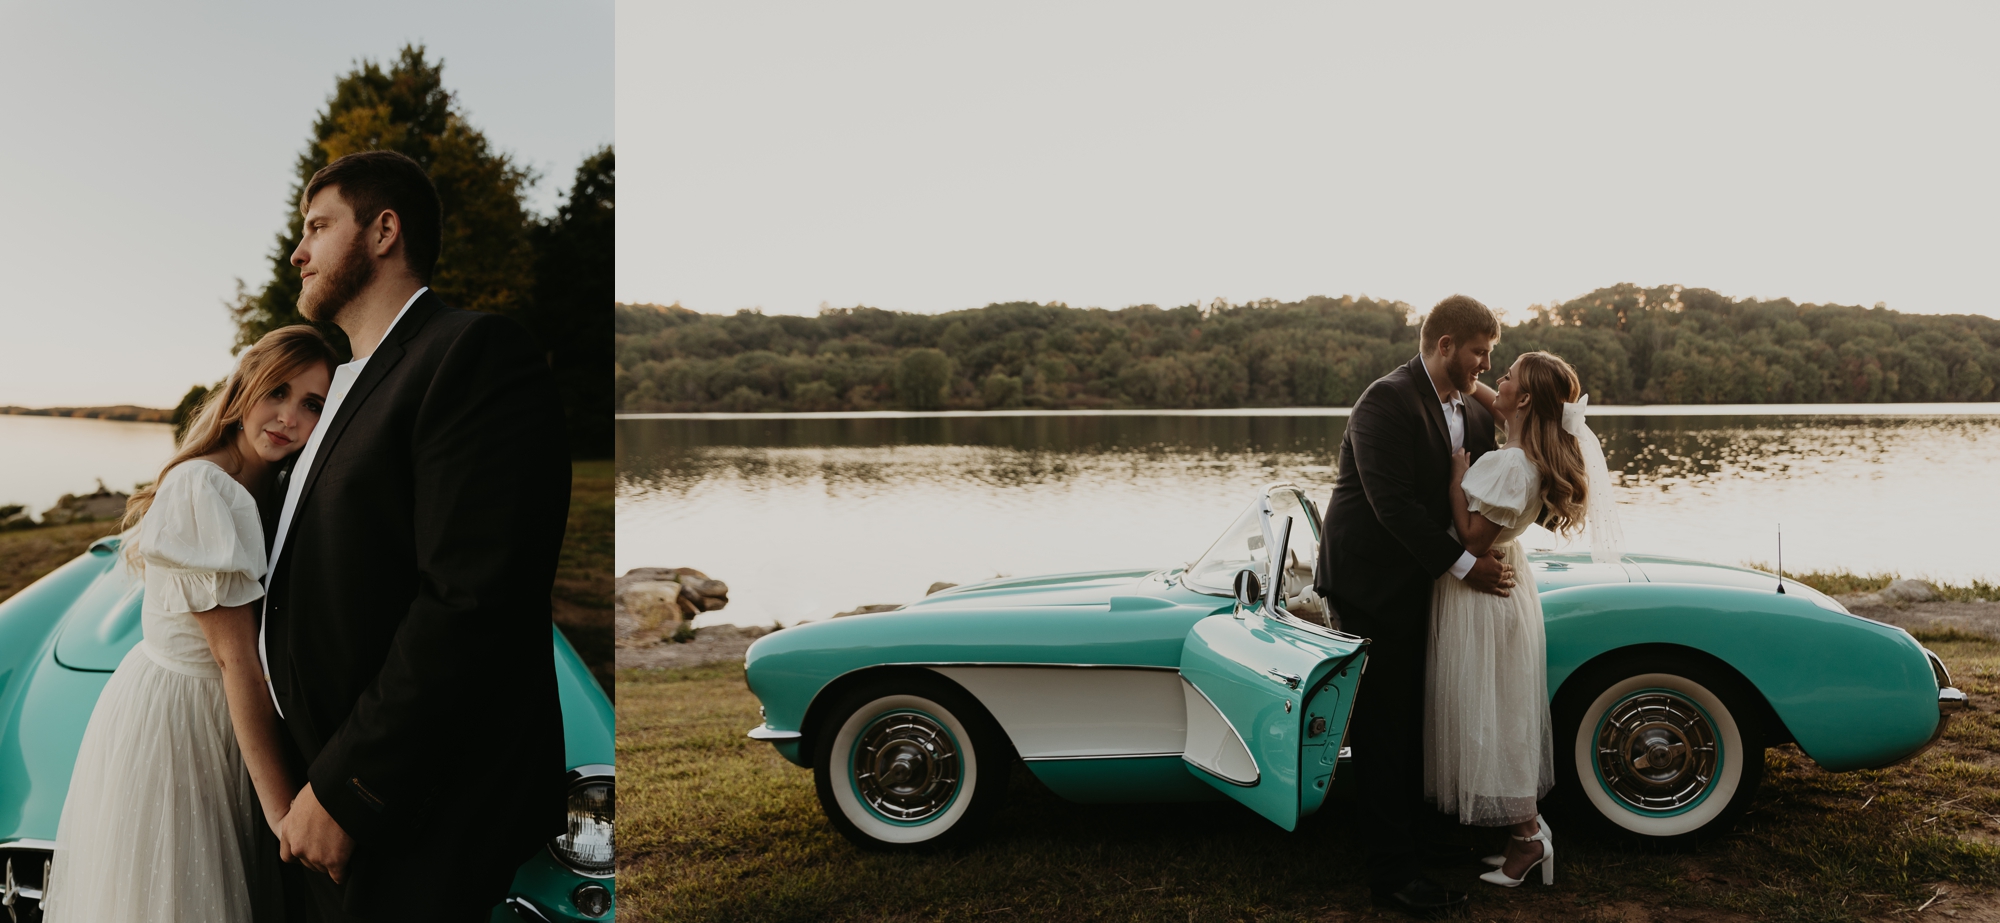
<point>1546,861</point>
<point>1497,859</point>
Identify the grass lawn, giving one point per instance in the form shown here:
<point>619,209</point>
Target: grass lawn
<point>583,574</point>
<point>27,554</point>
<point>717,827</point>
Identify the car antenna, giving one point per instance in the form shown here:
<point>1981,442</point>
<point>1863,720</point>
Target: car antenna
<point>1781,559</point>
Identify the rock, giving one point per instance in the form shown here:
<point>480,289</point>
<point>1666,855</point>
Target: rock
<point>714,644</point>
<point>705,586</point>
<point>940,585</point>
<point>864,610</point>
<point>652,605</point>
<point>1907,591</point>
<point>657,606</point>
<point>101,505</point>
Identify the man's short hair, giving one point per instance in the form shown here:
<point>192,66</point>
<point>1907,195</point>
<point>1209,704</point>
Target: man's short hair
<point>1460,318</point>
<point>373,182</point>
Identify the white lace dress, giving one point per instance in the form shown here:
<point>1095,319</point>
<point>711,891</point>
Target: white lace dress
<point>161,823</point>
<point>1488,749</point>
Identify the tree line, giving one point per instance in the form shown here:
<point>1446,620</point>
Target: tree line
<point>553,274</point>
<point>1630,345</point>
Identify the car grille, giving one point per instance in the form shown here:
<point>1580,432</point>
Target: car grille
<point>21,880</point>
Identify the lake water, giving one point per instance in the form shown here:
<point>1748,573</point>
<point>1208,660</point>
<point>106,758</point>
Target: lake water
<point>806,515</point>
<point>42,458</point>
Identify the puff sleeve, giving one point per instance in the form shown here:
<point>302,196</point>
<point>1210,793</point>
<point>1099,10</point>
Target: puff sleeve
<point>202,541</point>
<point>1502,485</point>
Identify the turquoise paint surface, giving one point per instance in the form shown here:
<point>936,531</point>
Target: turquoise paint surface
<point>1228,659</point>
<point>1854,693</point>
<point>1140,780</point>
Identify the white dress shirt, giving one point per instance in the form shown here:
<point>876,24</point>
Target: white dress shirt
<point>1454,421</point>
<point>343,379</point>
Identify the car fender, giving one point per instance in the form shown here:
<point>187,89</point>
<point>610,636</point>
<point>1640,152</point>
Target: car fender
<point>1853,693</point>
<point>790,670</point>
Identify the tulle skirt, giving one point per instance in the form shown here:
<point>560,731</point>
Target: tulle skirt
<point>1488,748</point>
<point>161,823</point>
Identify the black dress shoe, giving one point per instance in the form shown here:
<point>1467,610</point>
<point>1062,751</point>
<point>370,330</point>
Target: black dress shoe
<point>1421,898</point>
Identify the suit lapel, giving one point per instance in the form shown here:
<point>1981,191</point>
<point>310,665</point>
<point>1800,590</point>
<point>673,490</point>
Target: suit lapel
<point>379,365</point>
<point>1427,396</point>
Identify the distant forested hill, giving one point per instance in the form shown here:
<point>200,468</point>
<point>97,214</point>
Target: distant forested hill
<point>1670,345</point>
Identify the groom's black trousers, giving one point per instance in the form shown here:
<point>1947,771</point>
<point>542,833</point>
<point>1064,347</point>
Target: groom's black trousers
<point>1387,732</point>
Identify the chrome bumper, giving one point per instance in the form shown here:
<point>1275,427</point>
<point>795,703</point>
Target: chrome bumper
<point>769,734</point>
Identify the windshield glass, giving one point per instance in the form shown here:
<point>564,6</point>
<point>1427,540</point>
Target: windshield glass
<point>1242,545</point>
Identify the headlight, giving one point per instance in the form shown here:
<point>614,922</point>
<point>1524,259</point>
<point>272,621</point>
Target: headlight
<point>586,845</point>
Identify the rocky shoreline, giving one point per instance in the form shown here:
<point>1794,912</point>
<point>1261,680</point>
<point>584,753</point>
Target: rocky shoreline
<point>1914,606</point>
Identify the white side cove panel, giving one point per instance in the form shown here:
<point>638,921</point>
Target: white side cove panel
<point>1212,744</point>
<point>1080,712</point>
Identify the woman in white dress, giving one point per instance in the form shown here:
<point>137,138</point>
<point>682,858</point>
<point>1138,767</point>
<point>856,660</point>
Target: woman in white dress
<point>182,751</point>
<point>1489,755</point>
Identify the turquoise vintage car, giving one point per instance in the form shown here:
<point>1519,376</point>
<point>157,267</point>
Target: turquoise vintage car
<point>1221,679</point>
<point>61,637</point>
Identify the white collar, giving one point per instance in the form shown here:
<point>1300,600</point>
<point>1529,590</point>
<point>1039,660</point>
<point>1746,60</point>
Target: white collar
<point>392,325</point>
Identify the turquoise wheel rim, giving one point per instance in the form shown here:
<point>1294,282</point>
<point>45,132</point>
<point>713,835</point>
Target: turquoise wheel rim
<point>1658,752</point>
<point>906,768</point>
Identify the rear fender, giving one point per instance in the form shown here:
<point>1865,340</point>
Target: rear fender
<point>1852,693</point>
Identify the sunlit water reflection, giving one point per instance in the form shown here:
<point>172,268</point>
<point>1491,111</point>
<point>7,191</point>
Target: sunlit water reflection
<point>42,458</point>
<point>807,517</point>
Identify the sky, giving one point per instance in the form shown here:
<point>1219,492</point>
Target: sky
<point>932,157</point>
<point>147,154</point>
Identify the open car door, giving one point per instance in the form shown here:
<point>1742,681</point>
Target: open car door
<point>1268,695</point>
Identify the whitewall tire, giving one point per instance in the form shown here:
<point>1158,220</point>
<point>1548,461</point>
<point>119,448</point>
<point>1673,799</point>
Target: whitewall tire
<point>1658,749</point>
<point>908,763</point>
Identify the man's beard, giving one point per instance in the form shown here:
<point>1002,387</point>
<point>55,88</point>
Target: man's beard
<point>337,286</point>
<point>1462,377</point>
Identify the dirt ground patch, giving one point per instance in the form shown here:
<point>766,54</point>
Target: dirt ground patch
<point>1936,616</point>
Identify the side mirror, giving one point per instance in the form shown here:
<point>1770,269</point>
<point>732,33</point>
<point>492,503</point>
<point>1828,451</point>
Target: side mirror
<point>1248,590</point>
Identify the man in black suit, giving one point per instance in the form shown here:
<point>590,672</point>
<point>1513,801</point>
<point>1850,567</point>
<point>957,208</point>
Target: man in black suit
<point>1386,544</point>
<point>407,614</point>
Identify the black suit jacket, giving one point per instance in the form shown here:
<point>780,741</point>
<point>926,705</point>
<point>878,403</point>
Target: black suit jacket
<point>1385,532</point>
<point>408,624</point>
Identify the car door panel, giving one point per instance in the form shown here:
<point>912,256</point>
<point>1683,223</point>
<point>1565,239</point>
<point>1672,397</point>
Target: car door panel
<point>1254,689</point>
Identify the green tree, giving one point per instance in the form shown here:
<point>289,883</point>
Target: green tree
<point>486,263</point>
<point>190,403</point>
<point>922,379</point>
<point>571,309</point>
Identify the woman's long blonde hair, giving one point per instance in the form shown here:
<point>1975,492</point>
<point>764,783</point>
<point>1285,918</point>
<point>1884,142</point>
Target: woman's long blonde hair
<point>1537,430</point>
<point>276,358</point>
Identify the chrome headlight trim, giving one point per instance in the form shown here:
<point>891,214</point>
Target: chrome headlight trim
<point>1938,669</point>
<point>578,778</point>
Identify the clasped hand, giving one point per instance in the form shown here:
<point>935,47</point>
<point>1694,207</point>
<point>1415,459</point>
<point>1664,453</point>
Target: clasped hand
<point>314,839</point>
<point>1490,574</point>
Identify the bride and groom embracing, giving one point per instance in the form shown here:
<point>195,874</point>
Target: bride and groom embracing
<point>1420,556</point>
<point>344,706</point>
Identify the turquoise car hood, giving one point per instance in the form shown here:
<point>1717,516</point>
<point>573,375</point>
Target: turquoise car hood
<point>1552,572</point>
<point>1088,588</point>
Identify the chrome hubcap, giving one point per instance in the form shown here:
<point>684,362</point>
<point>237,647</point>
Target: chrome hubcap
<point>905,767</point>
<point>1656,752</point>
